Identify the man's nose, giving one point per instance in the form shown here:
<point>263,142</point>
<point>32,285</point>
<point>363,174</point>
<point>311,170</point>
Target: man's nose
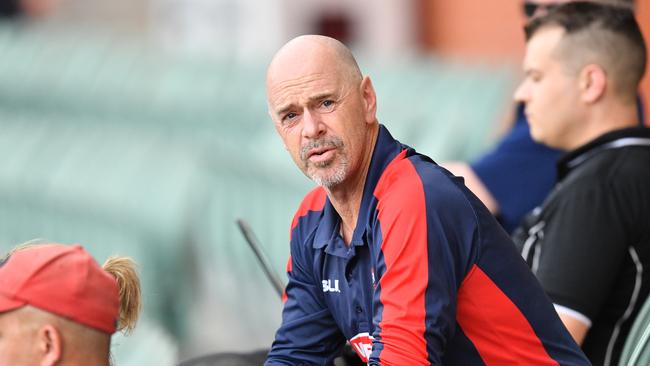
<point>521,93</point>
<point>313,126</point>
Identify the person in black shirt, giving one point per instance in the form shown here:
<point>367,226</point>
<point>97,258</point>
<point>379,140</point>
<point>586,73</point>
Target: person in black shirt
<point>490,176</point>
<point>589,242</point>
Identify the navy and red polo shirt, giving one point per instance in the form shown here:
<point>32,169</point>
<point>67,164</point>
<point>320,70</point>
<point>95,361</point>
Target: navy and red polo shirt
<point>429,278</point>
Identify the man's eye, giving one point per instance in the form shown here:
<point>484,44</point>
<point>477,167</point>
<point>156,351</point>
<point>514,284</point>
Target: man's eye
<point>289,116</point>
<point>328,103</point>
<point>535,77</point>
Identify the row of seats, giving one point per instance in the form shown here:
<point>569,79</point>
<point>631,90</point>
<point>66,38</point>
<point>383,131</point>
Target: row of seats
<point>428,102</point>
<point>130,151</point>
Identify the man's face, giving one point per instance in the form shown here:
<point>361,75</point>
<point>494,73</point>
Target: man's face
<point>549,90</point>
<point>319,114</point>
<point>17,340</point>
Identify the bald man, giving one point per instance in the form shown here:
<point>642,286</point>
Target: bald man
<point>59,307</point>
<point>390,252</point>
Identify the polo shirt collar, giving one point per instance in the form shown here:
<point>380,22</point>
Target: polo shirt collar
<point>632,136</point>
<point>327,233</point>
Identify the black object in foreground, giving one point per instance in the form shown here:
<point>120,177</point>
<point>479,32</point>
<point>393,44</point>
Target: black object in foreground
<point>261,257</point>
<point>255,358</point>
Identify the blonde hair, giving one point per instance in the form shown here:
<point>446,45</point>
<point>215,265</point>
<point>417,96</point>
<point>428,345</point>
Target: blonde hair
<point>128,282</point>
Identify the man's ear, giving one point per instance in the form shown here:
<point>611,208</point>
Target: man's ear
<point>50,345</point>
<point>593,83</point>
<point>370,99</point>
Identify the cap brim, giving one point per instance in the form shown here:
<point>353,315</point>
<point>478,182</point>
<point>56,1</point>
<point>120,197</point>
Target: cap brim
<point>7,304</point>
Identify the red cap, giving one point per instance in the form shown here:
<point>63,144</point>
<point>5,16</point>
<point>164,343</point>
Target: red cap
<point>61,279</point>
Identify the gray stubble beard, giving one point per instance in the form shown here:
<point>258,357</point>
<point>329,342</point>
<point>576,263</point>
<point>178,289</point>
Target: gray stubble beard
<point>339,173</point>
<point>333,179</point>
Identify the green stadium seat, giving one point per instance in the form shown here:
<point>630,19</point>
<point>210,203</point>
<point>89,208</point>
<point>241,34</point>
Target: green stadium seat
<point>636,351</point>
<point>113,193</point>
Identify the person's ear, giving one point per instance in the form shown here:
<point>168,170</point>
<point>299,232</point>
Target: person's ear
<point>50,345</point>
<point>592,82</point>
<point>370,99</point>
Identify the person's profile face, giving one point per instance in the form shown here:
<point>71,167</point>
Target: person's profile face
<point>17,341</point>
<point>549,91</point>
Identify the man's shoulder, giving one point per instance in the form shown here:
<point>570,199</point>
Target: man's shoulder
<point>313,201</point>
<point>305,223</point>
<point>613,168</point>
<point>630,163</point>
<point>616,180</point>
<point>417,175</point>
<point>415,169</point>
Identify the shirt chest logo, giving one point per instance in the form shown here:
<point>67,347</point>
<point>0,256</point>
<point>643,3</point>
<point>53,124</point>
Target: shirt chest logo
<point>362,344</point>
<point>327,286</point>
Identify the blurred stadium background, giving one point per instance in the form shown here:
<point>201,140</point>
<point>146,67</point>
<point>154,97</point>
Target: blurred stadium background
<point>139,127</point>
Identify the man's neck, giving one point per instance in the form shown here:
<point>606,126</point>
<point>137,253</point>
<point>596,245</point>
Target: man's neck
<point>86,346</point>
<point>346,197</point>
<point>606,120</point>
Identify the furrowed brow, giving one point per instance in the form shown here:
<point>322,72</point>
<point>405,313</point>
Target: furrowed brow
<point>315,98</point>
<point>284,109</point>
<point>321,96</point>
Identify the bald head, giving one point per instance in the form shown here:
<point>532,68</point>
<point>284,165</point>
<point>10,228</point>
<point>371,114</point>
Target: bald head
<point>32,336</point>
<point>312,53</point>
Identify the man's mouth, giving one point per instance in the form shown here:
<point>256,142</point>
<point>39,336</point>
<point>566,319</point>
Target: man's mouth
<point>321,154</point>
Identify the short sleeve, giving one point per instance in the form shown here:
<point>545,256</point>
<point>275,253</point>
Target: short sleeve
<point>583,245</point>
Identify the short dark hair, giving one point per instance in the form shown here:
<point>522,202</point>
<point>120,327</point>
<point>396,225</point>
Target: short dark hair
<point>603,34</point>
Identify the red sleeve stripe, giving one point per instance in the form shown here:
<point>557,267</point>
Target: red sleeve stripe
<point>284,292</point>
<point>289,264</point>
<point>500,332</point>
<point>313,201</point>
<point>404,282</point>
<point>285,297</point>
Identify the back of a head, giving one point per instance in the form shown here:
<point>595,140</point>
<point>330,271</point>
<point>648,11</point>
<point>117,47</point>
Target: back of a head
<point>606,35</point>
<point>90,302</point>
